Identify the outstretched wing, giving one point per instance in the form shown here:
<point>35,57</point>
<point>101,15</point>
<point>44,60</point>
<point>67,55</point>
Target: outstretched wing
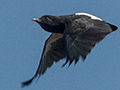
<point>82,35</point>
<point>54,50</point>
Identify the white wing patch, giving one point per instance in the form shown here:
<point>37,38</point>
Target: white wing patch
<point>87,14</point>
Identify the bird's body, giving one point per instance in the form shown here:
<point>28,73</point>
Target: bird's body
<point>73,36</point>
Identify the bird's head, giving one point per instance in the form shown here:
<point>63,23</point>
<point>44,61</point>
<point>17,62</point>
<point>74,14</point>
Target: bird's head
<point>50,23</point>
<point>46,19</point>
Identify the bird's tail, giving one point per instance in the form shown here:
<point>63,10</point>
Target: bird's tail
<point>114,28</point>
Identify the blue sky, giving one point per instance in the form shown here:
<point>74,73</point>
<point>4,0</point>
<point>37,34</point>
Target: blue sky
<point>22,40</point>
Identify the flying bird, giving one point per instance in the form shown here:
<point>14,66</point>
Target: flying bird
<point>72,36</point>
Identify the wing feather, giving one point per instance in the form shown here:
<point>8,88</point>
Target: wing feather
<point>54,50</point>
<point>84,36</point>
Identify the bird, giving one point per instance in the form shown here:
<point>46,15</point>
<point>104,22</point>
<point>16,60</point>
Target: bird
<point>72,38</point>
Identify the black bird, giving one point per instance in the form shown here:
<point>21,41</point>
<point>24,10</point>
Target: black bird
<point>73,36</point>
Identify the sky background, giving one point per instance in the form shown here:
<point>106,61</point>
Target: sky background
<point>22,40</point>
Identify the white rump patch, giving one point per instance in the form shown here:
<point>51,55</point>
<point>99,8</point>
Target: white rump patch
<point>92,16</point>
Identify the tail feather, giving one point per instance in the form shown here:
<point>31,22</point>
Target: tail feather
<point>114,28</point>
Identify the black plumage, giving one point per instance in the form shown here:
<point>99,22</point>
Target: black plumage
<point>73,36</point>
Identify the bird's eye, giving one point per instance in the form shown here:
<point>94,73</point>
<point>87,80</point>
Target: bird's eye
<point>49,19</point>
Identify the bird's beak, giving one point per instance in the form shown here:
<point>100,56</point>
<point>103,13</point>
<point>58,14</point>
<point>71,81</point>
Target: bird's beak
<point>35,19</point>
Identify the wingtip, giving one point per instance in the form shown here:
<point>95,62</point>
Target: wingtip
<point>26,83</point>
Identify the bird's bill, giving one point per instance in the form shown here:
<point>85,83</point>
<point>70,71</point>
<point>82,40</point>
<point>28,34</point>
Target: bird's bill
<point>35,19</point>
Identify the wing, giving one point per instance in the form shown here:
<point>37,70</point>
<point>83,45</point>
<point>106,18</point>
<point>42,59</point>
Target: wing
<point>54,50</point>
<point>82,35</point>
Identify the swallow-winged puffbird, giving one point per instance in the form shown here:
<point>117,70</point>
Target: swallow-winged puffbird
<point>73,36</point>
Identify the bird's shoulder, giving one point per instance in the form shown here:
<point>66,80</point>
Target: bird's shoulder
<point>79,22</point>
<point>78,17</point>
